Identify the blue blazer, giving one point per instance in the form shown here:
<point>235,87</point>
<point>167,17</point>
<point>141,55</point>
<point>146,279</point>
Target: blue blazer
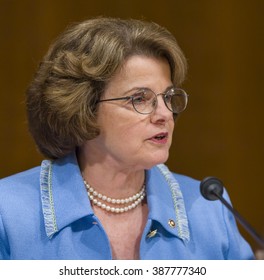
<point>45,213</point>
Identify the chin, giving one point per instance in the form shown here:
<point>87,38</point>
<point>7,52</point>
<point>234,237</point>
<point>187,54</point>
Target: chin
<point>155,160</point>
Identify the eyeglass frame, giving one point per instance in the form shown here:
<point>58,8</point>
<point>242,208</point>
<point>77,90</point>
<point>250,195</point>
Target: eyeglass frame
<point>163,94</point>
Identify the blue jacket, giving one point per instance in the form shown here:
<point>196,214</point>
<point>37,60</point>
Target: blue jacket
<point>45,213</point>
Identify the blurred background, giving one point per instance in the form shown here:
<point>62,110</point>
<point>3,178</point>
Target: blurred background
<point>221,132</point>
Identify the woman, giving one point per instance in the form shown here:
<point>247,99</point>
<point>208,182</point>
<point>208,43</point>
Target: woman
<point>101,110</point>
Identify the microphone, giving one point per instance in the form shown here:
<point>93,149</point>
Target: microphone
<point>212,189</point>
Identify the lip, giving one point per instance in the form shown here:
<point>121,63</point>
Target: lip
<point>160,138</point>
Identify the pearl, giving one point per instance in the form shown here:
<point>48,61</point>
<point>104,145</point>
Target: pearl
<point>134,200</point>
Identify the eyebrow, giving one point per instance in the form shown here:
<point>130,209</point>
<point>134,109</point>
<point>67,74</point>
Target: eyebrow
<point>125,96</point>
<point>142,88</point>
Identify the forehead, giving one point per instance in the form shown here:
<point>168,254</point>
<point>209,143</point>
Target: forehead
<point>140,72</point>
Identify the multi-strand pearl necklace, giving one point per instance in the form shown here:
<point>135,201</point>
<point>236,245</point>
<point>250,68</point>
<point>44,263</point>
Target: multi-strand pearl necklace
<point>128,203</point>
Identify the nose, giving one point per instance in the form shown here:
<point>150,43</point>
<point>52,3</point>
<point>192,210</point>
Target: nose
<point>161,113</point>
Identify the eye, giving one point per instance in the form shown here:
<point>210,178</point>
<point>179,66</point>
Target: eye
<point>140,97</point>
<point>169,95</point>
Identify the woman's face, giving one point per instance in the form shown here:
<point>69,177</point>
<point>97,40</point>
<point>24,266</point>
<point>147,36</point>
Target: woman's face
<point>128,139</point>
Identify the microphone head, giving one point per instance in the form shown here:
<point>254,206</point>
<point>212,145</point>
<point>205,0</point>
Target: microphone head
<point>211,188</point>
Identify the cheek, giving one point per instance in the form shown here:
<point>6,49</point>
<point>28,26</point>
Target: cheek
<point>131,133</point>
<point>120,125</point>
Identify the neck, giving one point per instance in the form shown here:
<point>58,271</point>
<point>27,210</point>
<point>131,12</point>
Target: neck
<point>109,177</point>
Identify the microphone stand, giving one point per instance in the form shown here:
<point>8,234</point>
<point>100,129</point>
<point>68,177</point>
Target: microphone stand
<point>241,220</point>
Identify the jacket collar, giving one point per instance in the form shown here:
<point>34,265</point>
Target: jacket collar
<point>165,201</point>
<point>63,194</point>
<point>64,197</point>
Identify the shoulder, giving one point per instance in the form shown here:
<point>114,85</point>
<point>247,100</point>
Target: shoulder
<point>189,186</point>
<point>184,187</point>
<point>20,185</point>
<point>189,189</point>
<point>198,207</point>
<point>21,178</point>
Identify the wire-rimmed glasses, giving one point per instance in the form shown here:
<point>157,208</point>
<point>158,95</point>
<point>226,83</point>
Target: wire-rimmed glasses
<point>145,101</point>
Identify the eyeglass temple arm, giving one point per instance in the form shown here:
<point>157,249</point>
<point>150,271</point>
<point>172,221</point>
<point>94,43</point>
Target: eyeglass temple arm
<point>112,99</point>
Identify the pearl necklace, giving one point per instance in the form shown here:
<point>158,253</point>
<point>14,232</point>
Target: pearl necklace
<point>101,200</point>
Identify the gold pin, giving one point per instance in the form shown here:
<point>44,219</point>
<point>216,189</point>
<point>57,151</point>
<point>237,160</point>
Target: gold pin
<point>171,223</point>
<point>152,233</point>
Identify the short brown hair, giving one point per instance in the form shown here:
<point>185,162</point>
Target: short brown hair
<point>62,98</point>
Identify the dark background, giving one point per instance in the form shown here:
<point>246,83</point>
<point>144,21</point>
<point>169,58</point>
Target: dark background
<point>221,132</point>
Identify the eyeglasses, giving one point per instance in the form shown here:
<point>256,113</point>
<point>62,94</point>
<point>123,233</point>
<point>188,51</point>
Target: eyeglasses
<point>145,101</point>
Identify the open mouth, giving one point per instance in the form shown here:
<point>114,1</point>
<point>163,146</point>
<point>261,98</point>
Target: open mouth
<point>160,138</point>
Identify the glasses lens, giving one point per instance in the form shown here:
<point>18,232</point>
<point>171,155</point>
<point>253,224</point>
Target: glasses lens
<point>176,100</point>
<point>144,101</point>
